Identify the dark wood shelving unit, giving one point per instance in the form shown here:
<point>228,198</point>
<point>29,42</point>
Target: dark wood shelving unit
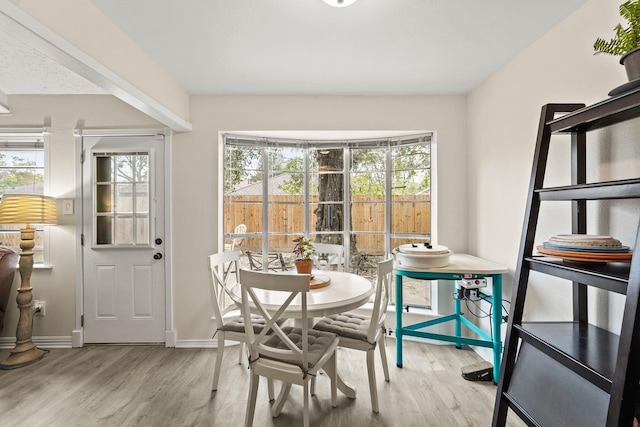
<point>573,373</point>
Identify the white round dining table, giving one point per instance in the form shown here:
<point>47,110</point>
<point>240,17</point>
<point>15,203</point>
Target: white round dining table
<point>345,291</point>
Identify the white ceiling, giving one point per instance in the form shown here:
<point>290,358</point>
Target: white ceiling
<point>308,47</point>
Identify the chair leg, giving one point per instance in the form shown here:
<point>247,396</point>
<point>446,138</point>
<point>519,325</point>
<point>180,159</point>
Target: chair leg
<point>219,354</point>
<point>271,389</point>
<point>333,362</point>
<point>254,382</point>
<point>305,416</point>
<point>241,353</point>
<point>313,386</point>
<point>383,356</point>
<point>276,408</point>
<point>371,367</point>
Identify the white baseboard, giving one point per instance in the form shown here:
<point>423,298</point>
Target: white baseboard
<point>170,338</point>
<point>42,342</point>
<point>211,343</point>
<point>77,338</point>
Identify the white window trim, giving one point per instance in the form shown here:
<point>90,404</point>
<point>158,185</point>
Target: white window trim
<point>249,138</point>
<point>30,134</point>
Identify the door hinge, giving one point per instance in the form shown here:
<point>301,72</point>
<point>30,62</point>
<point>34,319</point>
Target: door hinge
<point>82,239</point>
<point>82,157</point>
<point>82,320</point>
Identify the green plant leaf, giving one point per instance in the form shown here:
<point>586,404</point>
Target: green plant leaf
<point>626,39</point>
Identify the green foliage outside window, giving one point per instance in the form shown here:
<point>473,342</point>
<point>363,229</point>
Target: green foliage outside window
<point>19,172</point>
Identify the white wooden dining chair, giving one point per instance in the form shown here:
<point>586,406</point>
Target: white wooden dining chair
<point>327,256</point>
<point>365,333</point>
<point>229,321</point>
<point>290,354</point>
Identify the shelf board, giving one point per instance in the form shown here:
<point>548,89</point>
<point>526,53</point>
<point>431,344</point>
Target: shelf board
<point>544,393</point>
<point>587,350</point>
<point>611,276</point>
<point>621,189</point>
<point>605,113</point>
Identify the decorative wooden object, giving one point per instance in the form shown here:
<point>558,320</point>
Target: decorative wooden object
<point>320,281</point>
<point>26,209</point>
<point>25,351</point>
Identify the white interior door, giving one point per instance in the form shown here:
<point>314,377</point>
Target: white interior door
<point>123,239</point>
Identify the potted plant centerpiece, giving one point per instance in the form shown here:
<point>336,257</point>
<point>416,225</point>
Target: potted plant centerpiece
<point>626,41</point>
<point>303,251</point>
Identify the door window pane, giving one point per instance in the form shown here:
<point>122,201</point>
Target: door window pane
<point>122,204</point>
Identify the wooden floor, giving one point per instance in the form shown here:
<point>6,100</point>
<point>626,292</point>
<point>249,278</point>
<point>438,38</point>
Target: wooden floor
<point>157,386</point>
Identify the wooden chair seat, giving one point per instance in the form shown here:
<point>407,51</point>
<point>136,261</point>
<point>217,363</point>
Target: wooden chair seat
<point>349,325</point>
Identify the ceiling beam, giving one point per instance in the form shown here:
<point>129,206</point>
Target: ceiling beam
<point>24,27</point>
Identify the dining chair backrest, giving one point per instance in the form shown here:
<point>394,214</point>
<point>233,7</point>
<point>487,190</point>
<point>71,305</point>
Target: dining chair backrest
<point>297,286</point>
<point>327,255</point>
<point>224,268</point>
<point>381,299</point>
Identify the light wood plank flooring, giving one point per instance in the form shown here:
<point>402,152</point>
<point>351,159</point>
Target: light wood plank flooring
<point>157,386</point>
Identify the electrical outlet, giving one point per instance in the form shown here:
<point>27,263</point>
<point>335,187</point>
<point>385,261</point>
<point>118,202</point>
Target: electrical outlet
<point>39,308</point>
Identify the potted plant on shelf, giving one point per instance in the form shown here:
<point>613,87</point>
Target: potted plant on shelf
<point>626,41</point>
<point>303,251</point>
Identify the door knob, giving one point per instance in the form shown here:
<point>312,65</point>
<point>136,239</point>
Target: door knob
<point>158,241</point>
<point>157,256</point>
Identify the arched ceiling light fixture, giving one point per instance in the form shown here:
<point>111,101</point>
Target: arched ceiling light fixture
<point>339,3</point>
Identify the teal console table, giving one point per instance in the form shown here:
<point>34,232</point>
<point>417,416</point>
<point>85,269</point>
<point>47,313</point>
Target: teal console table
<point>461,266</point>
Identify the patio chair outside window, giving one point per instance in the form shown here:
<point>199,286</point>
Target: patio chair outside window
<point>328,257</point>
<point>276,261</point>
<point>236,241</point>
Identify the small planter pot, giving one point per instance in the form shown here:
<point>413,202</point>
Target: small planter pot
<point>631,62</point>
<point>304,266</point>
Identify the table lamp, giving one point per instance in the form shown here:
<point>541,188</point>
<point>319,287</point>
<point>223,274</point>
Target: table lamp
<point>26,209</point>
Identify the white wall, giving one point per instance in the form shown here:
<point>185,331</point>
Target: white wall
<point>503,121</point>
<point>195,160</point>
<point>57,286</point>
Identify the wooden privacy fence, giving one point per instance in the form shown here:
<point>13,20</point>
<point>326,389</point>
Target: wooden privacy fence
<point>409,214</point>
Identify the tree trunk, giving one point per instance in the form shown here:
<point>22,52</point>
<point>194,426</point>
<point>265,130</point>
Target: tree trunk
<point>330,216</point>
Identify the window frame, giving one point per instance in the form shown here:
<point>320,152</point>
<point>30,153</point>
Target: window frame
<point>263,144</point>
<point>31,136</point>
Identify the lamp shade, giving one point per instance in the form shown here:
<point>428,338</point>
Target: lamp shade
<point>28,209</point>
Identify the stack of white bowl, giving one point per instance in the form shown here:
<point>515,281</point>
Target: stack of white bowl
<point>423,255</point>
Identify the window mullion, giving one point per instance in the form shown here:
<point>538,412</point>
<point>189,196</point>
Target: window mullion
<point>346,224</point>
<point>305,191</point>
<point>265,205</point>
<point>388,200</point>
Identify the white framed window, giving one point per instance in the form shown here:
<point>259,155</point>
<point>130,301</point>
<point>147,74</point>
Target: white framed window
<point>369,196</point>
<point>24,160</point>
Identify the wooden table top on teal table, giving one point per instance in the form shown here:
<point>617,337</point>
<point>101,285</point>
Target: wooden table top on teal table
<point>461,266</point>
